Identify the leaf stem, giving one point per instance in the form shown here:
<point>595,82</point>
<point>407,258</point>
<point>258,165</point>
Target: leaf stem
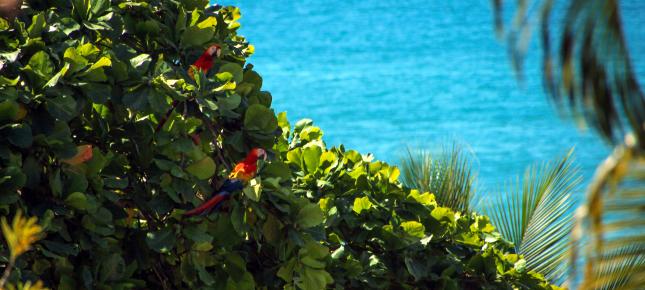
<point>7,272</point>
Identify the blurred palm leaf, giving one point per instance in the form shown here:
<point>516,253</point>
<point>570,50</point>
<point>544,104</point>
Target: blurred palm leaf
<point>535,214</point>
<point>448,176</point>
<point>611,226</point>
<point>592,73</point>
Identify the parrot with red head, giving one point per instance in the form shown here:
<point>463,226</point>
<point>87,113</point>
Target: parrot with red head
<point>205,61</point>
<point>242,173</point>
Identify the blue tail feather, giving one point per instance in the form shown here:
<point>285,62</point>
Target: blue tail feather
<point>231,185</point>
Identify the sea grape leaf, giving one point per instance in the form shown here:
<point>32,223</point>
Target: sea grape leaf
<point>260,118</point>
<point>414,228</point>
<point>161,241</point>
<point>361,204</point>
<point>202,169</point>
<point>310,216</point>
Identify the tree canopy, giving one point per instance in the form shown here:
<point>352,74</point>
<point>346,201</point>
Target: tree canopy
<point>113,75</point>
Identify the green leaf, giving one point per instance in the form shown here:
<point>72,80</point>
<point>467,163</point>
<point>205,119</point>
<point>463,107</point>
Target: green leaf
<point>417,267</point>
<point>226,78</point>
<point>96,73</point>
<point>141,63</point>
<point>313,263</point>
<point>228,104</point>
<point>311,133</point>
<point>254,189</point>
<point>97,163</point>
<point>520,265</point>
<point>361,204</point>
<point>315,250</point>
<point>54,80</point>
<point>422,198</point>
<point>271,228</point>
<point>62,107</point>
<point>4,24</point>
<point>294,157</point>
<point>310,216</point>
<point>8,110</point>
<point>137,97</point>
<point>286,270</point>
<point>161,241</point>
<point>202,169</point>
<point>252,77</point>
<point>20,135</point>
<point>4,81</point>
<point>414,228</point>
<point>260,118</point>
<point>56,183</point>
<point>311,157</point>
<point>194,4</point>
<point>277,169</point>
<point>443,214</point>
<point>234,69</point>
<point>245,283</point>
<point>196,37</point>
<point>207,23</point>
<point>77,200</point>
<point>40,68</point>
<point>37,25</point>
<point>197,233</point>
<point>314,279</point>
<point>67,25</point>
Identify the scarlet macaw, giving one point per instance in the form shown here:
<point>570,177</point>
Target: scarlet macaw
<point>205,61</point>
<point>243,172</point>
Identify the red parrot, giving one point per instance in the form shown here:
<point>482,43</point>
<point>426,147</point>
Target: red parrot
<point>243,172</point>
<point>205,61</point>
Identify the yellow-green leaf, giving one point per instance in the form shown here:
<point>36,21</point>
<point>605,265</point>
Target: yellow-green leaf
<point>422,198</point>
<point>254,189</point>
<point>208,22</point>
<point>414,228</point>
<point>361,204</point>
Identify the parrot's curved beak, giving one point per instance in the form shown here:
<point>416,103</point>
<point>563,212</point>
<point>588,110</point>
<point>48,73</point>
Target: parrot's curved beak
<point>262,154</point>
<point>215,50</point>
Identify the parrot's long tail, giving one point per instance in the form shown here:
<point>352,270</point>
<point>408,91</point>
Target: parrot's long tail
<point>213,203</point>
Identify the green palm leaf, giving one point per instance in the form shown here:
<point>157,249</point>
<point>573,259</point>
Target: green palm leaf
<point>448,176</point>
<point>611,226</point>
<point>590,73</point>
<point>535,214</point>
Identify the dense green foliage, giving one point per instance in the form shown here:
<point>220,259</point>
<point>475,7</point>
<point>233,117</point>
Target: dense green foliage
<point>113,74</point>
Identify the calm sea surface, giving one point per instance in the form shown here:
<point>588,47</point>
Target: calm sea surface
<point>378,76</point>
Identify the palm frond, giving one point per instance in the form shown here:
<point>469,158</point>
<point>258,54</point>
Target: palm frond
<point>535,214</point>
<point>614,218</point>
<point>591,72</point>
<point>448,176</point>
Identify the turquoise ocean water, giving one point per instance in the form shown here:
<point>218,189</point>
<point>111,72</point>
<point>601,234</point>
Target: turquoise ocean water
<point>378,76</point>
